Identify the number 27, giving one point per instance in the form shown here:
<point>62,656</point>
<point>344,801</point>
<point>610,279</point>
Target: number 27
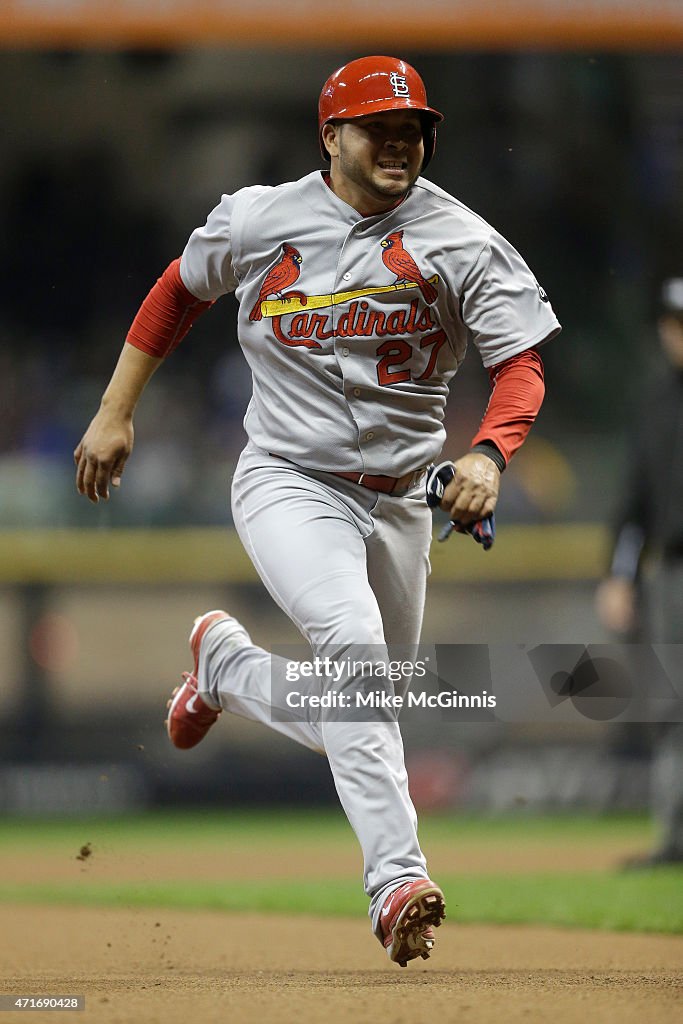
<point>397,352</point>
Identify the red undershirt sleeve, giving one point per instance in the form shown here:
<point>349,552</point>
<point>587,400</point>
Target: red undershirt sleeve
<point>517,391</point>
<point>166,314</point>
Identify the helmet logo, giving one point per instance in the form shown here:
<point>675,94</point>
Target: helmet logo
<point>399,84</point>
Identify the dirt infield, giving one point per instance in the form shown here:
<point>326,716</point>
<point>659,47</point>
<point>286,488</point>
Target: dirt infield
<point>140,966</point>
<point>170,967</point>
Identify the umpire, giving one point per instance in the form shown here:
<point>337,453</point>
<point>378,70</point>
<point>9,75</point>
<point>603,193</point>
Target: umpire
<point>649,531</point>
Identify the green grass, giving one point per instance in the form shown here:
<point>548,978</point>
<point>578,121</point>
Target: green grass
<point>314,828</point>
<point>649,901</point>
<point>644,901</point>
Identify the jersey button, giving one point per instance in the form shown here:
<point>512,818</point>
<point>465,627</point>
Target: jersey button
<point>347,276</point>
<point>369,436</point>
<point>356,392</point>
<point>345,351</point>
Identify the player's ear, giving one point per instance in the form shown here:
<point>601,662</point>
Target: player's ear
<point>330,136</point>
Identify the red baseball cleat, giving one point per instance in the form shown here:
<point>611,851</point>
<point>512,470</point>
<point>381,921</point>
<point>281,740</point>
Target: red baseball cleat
<point>408,918</point>
<point>189,717</point>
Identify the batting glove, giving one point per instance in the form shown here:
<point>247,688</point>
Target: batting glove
<point>483,530</point>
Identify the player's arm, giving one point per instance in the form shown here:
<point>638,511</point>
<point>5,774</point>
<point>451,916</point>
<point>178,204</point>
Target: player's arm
<point>102,452</point>
<point>163,320</point>
<point>617,595</point>
<point>517,391</point>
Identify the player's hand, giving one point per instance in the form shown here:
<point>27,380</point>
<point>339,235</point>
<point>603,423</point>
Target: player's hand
<point>616,604</point>
<point>101,455</point>
<point>473,492</point>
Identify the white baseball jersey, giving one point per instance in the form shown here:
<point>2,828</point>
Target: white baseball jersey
<point>353,326</point>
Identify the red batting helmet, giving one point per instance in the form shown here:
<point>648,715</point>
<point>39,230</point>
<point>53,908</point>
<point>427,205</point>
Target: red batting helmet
<point>373,84</point>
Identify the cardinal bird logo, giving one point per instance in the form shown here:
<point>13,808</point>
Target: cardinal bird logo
<point>280,277</point>
<point>399,261</point>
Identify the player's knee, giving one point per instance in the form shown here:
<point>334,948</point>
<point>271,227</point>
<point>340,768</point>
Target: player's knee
<point>350,627</point>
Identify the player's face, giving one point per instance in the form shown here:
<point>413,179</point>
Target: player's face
<point>375,159</point>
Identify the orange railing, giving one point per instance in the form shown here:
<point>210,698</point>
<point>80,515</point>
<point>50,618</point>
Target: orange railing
<point>381,25</point>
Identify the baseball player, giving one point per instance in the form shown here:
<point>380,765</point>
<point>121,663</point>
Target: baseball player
<point>359,288</point>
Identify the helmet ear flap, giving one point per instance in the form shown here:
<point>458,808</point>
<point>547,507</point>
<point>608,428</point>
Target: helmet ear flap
<point>429,139</point>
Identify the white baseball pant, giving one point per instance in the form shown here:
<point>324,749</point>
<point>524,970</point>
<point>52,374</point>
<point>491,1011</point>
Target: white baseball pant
<point>349,567</point>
